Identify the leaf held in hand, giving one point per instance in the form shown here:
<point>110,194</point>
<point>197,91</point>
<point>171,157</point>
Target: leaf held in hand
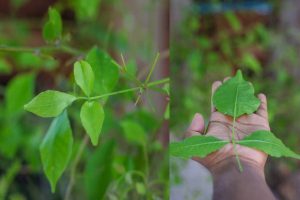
<point>50,103</point>
<point>236,97</point>
<point>267,142</point>
<point>92,117</point>
<point>56,148</point>
<point>196,146</point>
<point>84,76</point>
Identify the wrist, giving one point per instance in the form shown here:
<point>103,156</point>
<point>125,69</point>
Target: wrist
<point>229,165</point>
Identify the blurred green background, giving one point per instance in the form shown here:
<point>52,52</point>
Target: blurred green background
<point>210,40</point>
<point>118,167</point>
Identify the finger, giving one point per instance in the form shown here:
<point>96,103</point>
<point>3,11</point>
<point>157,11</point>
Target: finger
<point>226,79</point>
<point>214,87</point>
<point>196,127</point>
<point>263,108</point>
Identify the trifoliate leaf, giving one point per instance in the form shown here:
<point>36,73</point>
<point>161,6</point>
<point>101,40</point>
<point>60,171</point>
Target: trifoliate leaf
<point>92,117</point>
<point>236,97</point>
<point>50,103</point>
<point>84,76</point>
<point>56,149</point>
<point>196,146</point>
<point>267,142</point>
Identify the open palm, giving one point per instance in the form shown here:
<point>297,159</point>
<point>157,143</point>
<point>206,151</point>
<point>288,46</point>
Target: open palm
<point>220,126</point>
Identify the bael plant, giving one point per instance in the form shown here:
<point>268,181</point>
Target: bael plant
<point>234,98</point>
<point>56,147</point>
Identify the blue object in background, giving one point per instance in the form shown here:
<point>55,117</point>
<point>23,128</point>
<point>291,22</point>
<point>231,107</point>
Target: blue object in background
<point>262,7</point>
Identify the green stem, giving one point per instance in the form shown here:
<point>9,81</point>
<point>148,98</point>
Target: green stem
<point>42,49</point>
<point>152,69</point>
<point>74,166</point>
<point>234,146</point>
<point>233,134</point>
<point>154,83</point>
<point>158,82</point>
<point>114,93</point>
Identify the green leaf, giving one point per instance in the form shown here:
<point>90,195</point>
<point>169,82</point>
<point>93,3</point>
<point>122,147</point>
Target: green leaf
<point>134,132</point>
<point>92,117</point>
<point>18,92</point>
<point>251,62</point>
<point>5,67</point>
<point>105,70</point>
<point>196,146</point>
<point>233,21</point>
<point>10,138</point>
<point>267,142</point>
<point>7,179</point>
<point>84,76</point>
<point>236,97</point>
<point>85,9</point>
<point>56,149</point>
<point>50,103</point>
<point>140,188</point>
<point>98,171</point>
<point>52,30</point>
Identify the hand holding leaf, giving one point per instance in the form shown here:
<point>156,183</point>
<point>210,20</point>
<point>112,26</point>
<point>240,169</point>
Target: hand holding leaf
<point>246,126</point>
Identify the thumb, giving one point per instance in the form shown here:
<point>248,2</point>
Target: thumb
<point>197,126</point>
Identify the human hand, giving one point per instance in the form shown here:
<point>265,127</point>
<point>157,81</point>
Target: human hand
<point>220,126</point>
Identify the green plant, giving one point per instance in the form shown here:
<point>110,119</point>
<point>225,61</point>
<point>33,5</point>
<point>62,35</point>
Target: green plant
<point>57,145</point>
<point>107,102</point>
<point>234,98</point>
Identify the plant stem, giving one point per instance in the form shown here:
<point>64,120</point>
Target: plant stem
<point>234,146</point>
<point>41,49</point>
<point>74,166</point>
<point>152,69</point>
<point>114,93</point>
<point>158,82</point>
<point>233,134</point>
<point>154,83</point>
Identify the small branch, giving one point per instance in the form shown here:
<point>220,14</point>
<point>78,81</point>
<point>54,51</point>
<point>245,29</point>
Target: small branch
<point>158,82</point>
<point>41,49</point>
<point>154,83</point>
<point>74,166</point>
<point>152,69</point>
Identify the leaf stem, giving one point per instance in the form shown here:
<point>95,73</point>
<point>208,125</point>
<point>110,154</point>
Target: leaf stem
<point>41,49</point>
<point>233,134</point>
<point>234,146</point>
<point>152,69</point>
<point>74,166</point>
<point>154,83</point>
